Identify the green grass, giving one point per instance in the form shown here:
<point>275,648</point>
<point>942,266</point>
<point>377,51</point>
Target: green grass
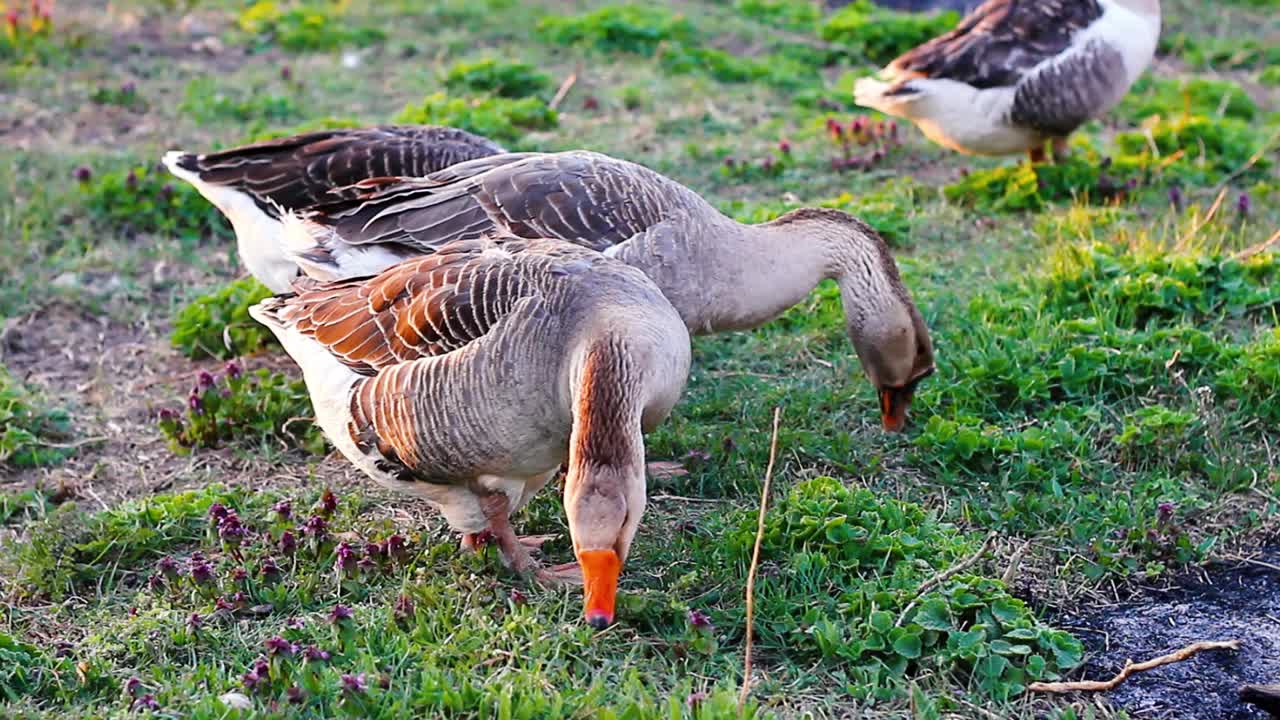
<point>1104,392</point>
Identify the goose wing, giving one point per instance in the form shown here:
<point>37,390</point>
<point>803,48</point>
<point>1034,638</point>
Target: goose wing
<point>999,42</point>
<point>297,172</point>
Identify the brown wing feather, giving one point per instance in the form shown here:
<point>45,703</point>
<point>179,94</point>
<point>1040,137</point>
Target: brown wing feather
<point>423,307</point>
<point>585,198</point>
<point>999,41</point>
<point>298,172</point>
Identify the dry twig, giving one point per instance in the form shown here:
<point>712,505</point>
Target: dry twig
<point>1255,249</point>
<point>947,574</point>
<point>1130,668</point>
<point>564,90</point>
<point>755,559</point>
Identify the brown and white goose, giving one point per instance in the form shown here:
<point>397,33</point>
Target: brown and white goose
<point>718,273</point>
<point>1017,73</point>
<point>254,184</point>
<point>468,376</point>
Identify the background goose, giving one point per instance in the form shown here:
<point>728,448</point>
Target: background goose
<point>1016,73</point>
<point>254,184</point>
<point>468,376</point>
<point>718,273</point>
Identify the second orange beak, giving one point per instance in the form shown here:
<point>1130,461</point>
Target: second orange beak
<point>893,408</point>
<point>600,569</point>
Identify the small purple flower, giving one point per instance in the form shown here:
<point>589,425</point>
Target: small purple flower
<point>279,646</point>
<point>204,380</point>
<point>146,702</point>
<point>83,174</point>
<point>700,620</point>
<point>295,695</point>
<point>346,559</point>
<point>354,684</point>
<point>239,575</point>
<point>403,607</point>
<point>730,162</point>
<point>261,666</point>
<point>695,699</point>
<point>315,654</point>
<point>340,614</point>
<point>288,543</point>
<point>167,415</point>
<point>233,370</point>
<point>128,88</point>
<point>155,583</point>
<point>223,605</point>
<point>240,599</point>
<point>328,503</point>
<point>518,598</point>
<point>367,566</point>
<point>1175,197</point>
<point>315,526</point>
<point>201,572</point>
<point>397,548</point>
<point>231,531</point>
<point>784,146</point>
<point>268,569</point>
<point>168,567</point>
<point>1243,205</point>
<point>131,180</point>
<point>1164,512</point>
<point>166,192</point>
<point>195,403</point>
<point>283,509</point>
<point>133,686</point>
<point>195,622</point>
<point>286,73</point>
<point>251,680</point>
<point>217,512</point>
<point>295,623</point>
<point>376,551</point>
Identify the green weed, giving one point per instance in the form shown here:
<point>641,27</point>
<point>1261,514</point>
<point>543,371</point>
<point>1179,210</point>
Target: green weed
<point>1174,97</point>
<point>125,96</point>
<point>502,119</point>
<point>497,77</point>
<point>876,35</point>
<point>31,432</point>
<point>207,103</point>
<point>1027,187</point>
<point>255,409</point>
<point>1196,149</point>
<point>793,14</point>
<point>306,26</point>
<point>146,199</point>
<point>847,590</point>
<point>218,324</point>
<point>639,29</point>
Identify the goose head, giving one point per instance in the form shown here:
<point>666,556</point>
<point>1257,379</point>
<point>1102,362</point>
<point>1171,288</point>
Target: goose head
<point>883,323</point>
<point>604,505</point>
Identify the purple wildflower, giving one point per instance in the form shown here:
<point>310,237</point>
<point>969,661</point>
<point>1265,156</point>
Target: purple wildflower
<point>315,526</point>
<point>279,646</point>
<point>518,598</point>
<point>397,548</point>
<point>1243,205</point>
<point>695,699</point>
<point>168,567</point>
<point>167,415</point>
<point>133,686</point>
<point>217,512</point>
<point>204,380</point>
<point>240,599</point>
<point>367,565</point>
<point>354,683</point>
<point>403,607</point>
<point>223,605</point>
<point>1164,512</point>
<point>146,702</point>
<point>730,163</point>
<point>295,695</point>
<point>128,88</point>
<point>288,543</point>
<point>251,680</point>
<point>155,583</point>
<point>1175,197</point>
<point>232,369</point>
<point>346,559</point>
<point>201,572</point>
<point>268,569</point>
<point>286,73</point>
<point>376,551</point>
<point>195,403</point>
<point>328,503</point>
<point>315,654</point>
<point>195,622</point>
<point>166,191</point>
<point>340,614</point>
<point>784,146</point>
<point>131,180</point>
<point>700,620</point>
<point>83,174</point>
<point>283,509</point>
<point>239,575</point>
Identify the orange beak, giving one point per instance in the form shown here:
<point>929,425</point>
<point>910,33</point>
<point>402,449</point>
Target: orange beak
<point>893,407</point>
<point>600,570</point>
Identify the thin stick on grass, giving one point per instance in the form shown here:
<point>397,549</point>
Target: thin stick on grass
<point>1131,668</point>
<point>563,90</point>
<point>1255,249</point>
<point>949,573</point>
<point>755,559</point>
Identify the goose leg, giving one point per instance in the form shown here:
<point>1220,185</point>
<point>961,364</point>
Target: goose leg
<point>515,554</point>
<point>567,574</point>
<point>1036,155</point>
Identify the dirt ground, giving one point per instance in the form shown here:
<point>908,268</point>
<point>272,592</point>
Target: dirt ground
<point>1229,601</point>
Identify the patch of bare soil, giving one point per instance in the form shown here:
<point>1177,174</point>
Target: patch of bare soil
<point>1237,601</point>
<point>113,377</point>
